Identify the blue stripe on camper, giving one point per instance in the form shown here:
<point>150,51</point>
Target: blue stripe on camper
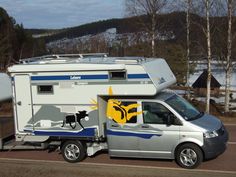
<point>85,77</point>
<point>42,78</point>
<point>69,77</point>
<point>87,132</point>
<point>138,76</point>
<point>140,135</point>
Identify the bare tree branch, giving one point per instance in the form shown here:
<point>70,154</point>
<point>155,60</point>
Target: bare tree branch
<point>147,11</point>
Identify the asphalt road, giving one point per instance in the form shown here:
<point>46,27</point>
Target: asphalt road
<point>224,164</point>
<point>29,168</point>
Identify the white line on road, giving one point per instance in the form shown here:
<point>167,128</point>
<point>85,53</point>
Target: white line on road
<point>120,165</point>
<point>231,142</point>
<point>230,124</point>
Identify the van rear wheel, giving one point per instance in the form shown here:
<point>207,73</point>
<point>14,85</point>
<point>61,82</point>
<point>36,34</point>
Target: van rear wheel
<point>189,156</point>
<point>73,151</point>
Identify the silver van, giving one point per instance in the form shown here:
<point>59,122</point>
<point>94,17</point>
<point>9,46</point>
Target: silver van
<point>168,127</point>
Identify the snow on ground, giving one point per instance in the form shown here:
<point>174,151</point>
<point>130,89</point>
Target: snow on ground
<point>111,36</point>
<point>218,73</point>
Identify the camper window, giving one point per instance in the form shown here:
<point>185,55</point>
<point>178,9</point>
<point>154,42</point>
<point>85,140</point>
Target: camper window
<point>45,89</point>
<point>121,75</point>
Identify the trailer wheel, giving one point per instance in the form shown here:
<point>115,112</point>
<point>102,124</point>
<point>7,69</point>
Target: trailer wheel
<point>189,156</point>
<point>73,151</point>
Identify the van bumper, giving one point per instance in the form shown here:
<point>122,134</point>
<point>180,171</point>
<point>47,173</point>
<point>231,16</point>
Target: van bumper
<point>215,146</point>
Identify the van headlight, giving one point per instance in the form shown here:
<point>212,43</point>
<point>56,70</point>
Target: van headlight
<point>210,134</point>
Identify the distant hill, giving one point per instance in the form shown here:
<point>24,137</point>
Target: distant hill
<point>91,28</point>
<point>171,29</point>
<point>125,25</point>
<point>174,23</point>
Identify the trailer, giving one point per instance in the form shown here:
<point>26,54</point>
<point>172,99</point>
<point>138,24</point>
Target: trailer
<point>85,103</point>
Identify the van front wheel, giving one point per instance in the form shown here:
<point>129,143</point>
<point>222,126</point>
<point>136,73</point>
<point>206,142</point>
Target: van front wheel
<point>73,151</point>
<point>189,156</point>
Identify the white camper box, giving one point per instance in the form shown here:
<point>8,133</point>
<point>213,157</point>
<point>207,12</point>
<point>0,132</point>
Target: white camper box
<point>60,97</point>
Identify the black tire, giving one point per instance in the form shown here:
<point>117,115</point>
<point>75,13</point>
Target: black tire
<point>73,151</point>
<point>189,156</point>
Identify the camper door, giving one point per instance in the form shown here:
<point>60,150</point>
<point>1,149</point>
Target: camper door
<point>23,101</point>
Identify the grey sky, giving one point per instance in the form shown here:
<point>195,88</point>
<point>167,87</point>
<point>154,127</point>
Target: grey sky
<point>61,13</point>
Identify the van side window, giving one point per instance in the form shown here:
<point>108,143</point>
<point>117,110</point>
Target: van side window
<point>45,89</point>
<point>117,75</point>
<point>154,113</point>
<point>123,111</point>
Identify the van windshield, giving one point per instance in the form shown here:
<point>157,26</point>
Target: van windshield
<point>184,108</point>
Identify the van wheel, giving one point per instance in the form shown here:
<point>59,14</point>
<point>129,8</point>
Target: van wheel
<point>73,151</point>
<point>189,156</point>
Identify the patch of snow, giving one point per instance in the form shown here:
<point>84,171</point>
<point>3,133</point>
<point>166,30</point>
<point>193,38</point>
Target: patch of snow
<point>110,36</point>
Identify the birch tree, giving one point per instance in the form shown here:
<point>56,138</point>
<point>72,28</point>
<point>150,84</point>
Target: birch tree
<point>223,42</point>
<point>228,63</point>
<point>188,3</point>
<point>205,10</point>
<point>151,9</point>
<point>209,57</point>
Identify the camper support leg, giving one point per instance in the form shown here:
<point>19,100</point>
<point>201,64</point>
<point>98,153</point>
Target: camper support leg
<point>95,148</point>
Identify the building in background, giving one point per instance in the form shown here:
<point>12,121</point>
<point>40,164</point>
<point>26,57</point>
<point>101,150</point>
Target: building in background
<point>200,85</point>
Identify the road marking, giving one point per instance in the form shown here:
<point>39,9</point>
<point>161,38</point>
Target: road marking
<point>230,124</point>
<point>231,142</point>
<point>119,165</point>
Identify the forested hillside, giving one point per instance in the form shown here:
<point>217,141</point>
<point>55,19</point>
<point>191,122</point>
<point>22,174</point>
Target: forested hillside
<point>171,29</point>
<point>128,38</point>
<point>15,42</point>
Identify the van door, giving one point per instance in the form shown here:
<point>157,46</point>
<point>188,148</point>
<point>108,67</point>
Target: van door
<point>23,101</point>
<point>162,137</point>
<point>121,137</point>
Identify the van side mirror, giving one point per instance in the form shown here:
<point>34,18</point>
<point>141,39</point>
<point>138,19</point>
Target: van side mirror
<point>170,119</point>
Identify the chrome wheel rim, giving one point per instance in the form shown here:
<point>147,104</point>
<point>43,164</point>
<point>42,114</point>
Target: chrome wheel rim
<point>72,152</point>
<point>188,157</point>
